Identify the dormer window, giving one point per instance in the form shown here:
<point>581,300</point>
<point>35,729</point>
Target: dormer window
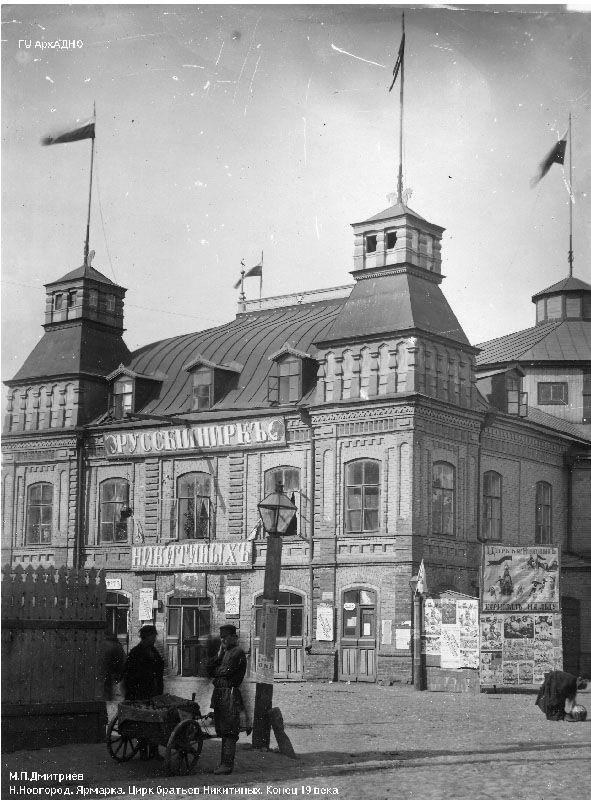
<point>390,240</point>
<point>371,242</point>
<point>516,399</point>
<point>202,388</point>
<point>122,397</point>
<point>292,376</point>
<point>211,381</point>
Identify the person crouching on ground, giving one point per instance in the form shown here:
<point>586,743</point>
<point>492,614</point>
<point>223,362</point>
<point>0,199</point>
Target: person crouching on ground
<point>143,676</point>
<point>227,669</point>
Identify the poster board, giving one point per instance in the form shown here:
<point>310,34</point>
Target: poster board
<point>517,649</point>
<point>520,579</point>
<point>451,638</point>
<point>520,622</point>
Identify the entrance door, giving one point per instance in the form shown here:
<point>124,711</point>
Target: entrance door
<point>571,634</point>
<point>117,607</point>
<point>358,640</point>
<point>289,644</point>
<point>189,626</point>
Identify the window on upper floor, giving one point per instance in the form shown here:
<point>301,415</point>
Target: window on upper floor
<point>122,397</point>
<point>543,513</point>
<point>289,479</point>
<point>390,240</point>
<point>193,506</point>
<point>443,499</point>
<point>203,385</point>
<point>72,294</point>
<point>517,401</point>
<point>58,301</point>
<point>39,513</point>
<point>290,379</point>
<point>492,487</point>
<point>362,496</point>
<point>552,394</point>
<point>92,298</point>
<point>371,243</point>
<point>292,376</point>
<point>110,302</point>
<point>554,307</point>
<point>573,307</point>
<point>113,510</point>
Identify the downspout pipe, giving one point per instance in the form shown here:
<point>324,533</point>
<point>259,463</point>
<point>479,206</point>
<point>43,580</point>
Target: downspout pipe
<point>306,417</point>
<point>78,553</point>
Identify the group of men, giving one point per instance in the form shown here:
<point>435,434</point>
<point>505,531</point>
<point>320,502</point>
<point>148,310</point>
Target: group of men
<point>142,675</point>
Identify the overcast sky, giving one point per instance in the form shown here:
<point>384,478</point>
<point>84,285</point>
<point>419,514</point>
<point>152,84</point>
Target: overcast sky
<point>227,130</point>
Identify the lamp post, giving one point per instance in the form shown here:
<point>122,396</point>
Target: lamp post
<point>417,658</point>
<point>276,511</point>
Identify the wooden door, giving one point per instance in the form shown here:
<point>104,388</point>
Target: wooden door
<point>358,641</point>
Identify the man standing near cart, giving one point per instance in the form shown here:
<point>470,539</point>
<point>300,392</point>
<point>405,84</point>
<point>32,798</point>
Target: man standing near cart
<point>143,677</point>
<point>227,670</point>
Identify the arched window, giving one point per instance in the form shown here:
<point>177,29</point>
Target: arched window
<point>39,513</point>
<point>114,503</point>
<point>492,487</point>
<point>362,496</point>
<point>442,499</point>
<point>289,478</point>
<point>543,513</point>
<point>193,505</point>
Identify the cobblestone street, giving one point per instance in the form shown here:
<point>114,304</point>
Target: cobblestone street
<point>368,741</point>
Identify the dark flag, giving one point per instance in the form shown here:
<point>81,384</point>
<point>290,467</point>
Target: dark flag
<point>399,61</point>
<point>555,156</point>
<point>258,270</point>
<point>84,130</point>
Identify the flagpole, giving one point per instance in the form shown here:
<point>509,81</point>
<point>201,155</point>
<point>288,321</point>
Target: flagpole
<point>570,194</point>
<point>261,278</point>
<point>87,241</point>
<point>401,117</point>
<point>242,271</point>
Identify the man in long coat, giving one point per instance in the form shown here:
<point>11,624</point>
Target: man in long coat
<point>227,670</point>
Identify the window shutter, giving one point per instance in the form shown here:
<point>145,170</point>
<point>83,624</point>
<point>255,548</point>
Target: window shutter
<point>273,386</point>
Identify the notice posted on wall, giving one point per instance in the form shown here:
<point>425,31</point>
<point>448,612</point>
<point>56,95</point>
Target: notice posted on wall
<point>146,604</point>
<point>451,632</point>
<point>517,649</point>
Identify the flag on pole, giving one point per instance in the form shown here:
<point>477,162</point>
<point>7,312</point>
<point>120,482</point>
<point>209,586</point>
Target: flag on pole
<point>83,130</point>
<point>258,270</point>
<point>421,580</point>
<point>399,61</point>
<point>555,156</point>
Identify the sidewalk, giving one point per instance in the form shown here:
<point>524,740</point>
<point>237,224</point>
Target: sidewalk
<point>372,741</point>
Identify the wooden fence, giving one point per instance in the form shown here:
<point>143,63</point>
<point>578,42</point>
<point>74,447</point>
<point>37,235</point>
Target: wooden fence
<point>53,640</point>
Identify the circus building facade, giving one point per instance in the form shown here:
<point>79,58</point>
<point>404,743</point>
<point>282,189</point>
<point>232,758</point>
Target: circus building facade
<point>396,438</point>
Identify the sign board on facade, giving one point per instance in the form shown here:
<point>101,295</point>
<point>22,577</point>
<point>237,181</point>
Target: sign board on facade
<point>269,430</point>
<point>190,584</point>
<point>403,638</point>
<point>324,622</point>
<point>201,556</point>
<point>520,579</point>
<point>113,584</point>
<point>146,604</point>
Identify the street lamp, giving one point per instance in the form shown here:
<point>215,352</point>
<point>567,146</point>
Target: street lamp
<point>417,658</point>
<point>276,511</point>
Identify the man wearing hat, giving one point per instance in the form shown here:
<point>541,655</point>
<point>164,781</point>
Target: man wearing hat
<point>227,670</point>
<point>143,675</point>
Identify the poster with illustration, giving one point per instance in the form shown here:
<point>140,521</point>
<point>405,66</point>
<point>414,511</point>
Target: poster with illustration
<point>522,648</point>
<point>520,578</point>
<point>451,632</point>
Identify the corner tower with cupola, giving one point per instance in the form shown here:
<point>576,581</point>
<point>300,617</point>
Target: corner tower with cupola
<point>62,383</point>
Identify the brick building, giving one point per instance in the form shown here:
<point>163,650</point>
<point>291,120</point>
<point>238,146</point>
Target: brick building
<point>396,438</point>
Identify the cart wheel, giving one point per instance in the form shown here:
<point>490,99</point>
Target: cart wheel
<point>184,748</point>
<point>120,746</point>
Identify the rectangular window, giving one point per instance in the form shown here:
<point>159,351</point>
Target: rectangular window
<point>554,307</point>
<point>573,307</point>
<point>72,298</point>
<point>92,298</point>
<point>58,301</point>
<point>371,243</point>
<point>122,398</point>
<point>202,389</point>
<point>290,375</point>
<point>39,513</point>
<point>552,394</point>
<point>540,311</point>
<point>114,499</point>
<point>442,499</point>
<point>543,513</point>
<point>390,240</point>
